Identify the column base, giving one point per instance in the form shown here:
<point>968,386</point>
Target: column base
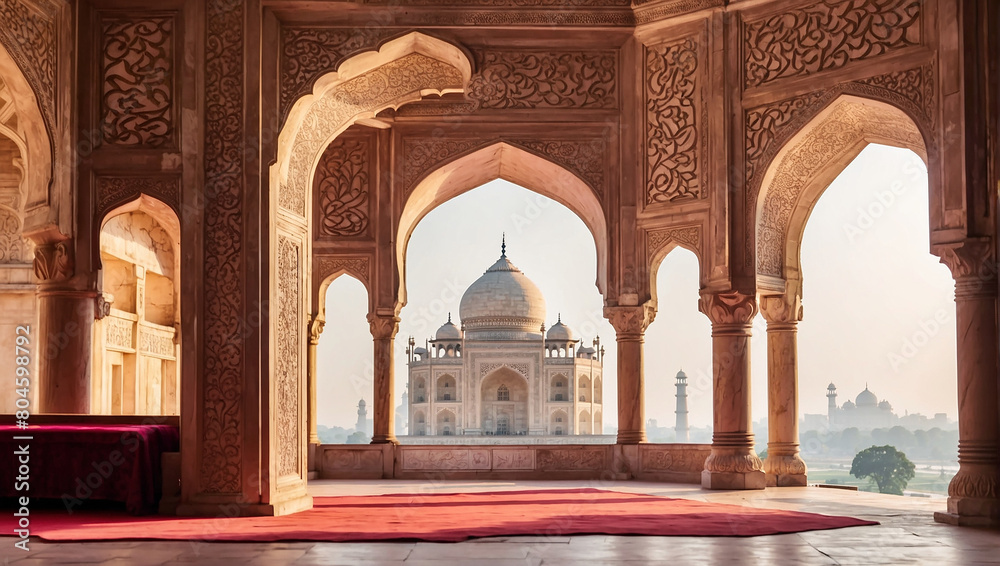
<point>786,480</point>
<point>971,512</point>
<point>733,480</point>
<point>388,439</point>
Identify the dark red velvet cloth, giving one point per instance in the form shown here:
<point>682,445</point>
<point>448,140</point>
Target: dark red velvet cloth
<point>447,517</point>
<point>77,463</point>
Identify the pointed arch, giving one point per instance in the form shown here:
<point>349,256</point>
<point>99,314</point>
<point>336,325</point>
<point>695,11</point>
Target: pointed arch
<point>511,163</point>
<point>806,165</point>
<point>31,132</point>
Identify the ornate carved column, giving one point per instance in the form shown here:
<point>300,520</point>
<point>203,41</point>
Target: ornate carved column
<point>384,328</point>
<point>630,324</point>
<point>974,495</point>
<point>783,467</point>
<point>733,464</point>
<point>316,324</point>
<point>65,334</point>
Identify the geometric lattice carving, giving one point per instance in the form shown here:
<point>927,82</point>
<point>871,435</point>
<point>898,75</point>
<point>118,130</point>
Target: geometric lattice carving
<point>826,35</point>
<point>30,38</point>
<point>308,53</point>
<point>508,79</point>
<point>484,369</point>
<point>685,236</point>
<point>356,266</point>
<point>672,101</point>
<point>137,81</point>
<point>289,328</point>
<point>846,125</point>
<point>13,248</point>
<point>373,91</point>
<point>115,191</point>
<point>342,181</point>
<point>222,391</point>
<point>584,157</point>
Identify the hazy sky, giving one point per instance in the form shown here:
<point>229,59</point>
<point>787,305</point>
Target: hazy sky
<point>878,307</point>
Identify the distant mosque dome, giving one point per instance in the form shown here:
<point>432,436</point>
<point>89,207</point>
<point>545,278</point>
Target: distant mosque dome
<point>503,300</point>
<point>849,406</point>
<point>560,331</point>
<point>681,375</point>
<point>448,331</point>
<point>866,399</point>
<point>884,405</point>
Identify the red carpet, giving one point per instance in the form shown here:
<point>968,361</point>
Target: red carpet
<point>448,517</point>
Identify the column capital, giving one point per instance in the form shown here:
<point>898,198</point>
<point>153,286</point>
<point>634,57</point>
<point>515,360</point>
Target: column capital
<point>782,309</point>
<point>731,308</point>
<point>630,321</point>
<point>54,261</point>
<point>316,324</point>
<point>973,265</point>
<point>383,327</point>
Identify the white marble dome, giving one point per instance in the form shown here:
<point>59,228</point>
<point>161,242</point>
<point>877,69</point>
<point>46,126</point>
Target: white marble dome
<point>503,302</point>
<point>559,331</point>
<point>866,399</point>
<point>448,331</point>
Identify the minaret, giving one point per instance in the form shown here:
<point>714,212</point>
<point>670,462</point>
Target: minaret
<point>681,427</point>
<point>362,423</point>
<point>831,407</point>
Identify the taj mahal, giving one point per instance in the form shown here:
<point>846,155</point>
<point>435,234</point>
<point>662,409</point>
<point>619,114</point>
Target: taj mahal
<point>501,374</point>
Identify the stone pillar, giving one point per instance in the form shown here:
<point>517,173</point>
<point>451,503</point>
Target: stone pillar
<point>64,339</point>
<point>316,325</point>
<point>630,323</point>
<point>974,492</point>
<point>384,328</point>
<point>784,466</point>
<point>733,464</point>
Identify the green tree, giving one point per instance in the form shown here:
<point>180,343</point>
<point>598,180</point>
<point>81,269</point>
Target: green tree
<point>358,437</point>
<point>889,468</point>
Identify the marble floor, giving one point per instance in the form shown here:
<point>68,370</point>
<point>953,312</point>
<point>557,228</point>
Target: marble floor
<point>907,535</point>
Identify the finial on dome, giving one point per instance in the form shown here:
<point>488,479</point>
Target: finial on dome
<point>560,319</point>
<point>449,318</point>
<point>503,245</point>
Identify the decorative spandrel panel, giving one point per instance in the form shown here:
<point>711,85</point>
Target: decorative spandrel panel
<point>137,81</point>
<point>545,79</point>
<point>675,117</point>
<point>345,177</point>
<point>30,38</point>
<point>826,35</point>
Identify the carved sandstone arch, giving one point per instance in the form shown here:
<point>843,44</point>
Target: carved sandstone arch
<point>806,165</point>
<point>403,70</point>
<point>18,101</point>
<point>503,161</point>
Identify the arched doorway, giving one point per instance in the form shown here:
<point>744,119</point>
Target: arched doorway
<point>504,400</point>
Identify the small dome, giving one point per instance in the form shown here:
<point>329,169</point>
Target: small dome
<point>681,375</point>
<point>866,399</point>
<point>420,351</point>
<point>586,352</point>
<point>361,403</point>
<point>885,405</point>
<point>831,387</point>
<point>448,331</point>
<point>849,406</point>
<point>559,331</point>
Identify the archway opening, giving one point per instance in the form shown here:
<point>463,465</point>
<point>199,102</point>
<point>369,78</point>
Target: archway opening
<point>546,243</point>
<point>678,357</point>
<point>843,215</point>
<point>344,365</point>
<point>136,350</point>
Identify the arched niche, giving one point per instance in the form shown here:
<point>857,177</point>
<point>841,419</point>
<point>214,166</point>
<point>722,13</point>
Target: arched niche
<point>806,165</point>
<point>511,163</point>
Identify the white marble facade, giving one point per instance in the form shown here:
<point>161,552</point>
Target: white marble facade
<point>501,374</point>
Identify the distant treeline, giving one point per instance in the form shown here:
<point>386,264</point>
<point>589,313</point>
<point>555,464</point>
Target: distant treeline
<point>933,444</point>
